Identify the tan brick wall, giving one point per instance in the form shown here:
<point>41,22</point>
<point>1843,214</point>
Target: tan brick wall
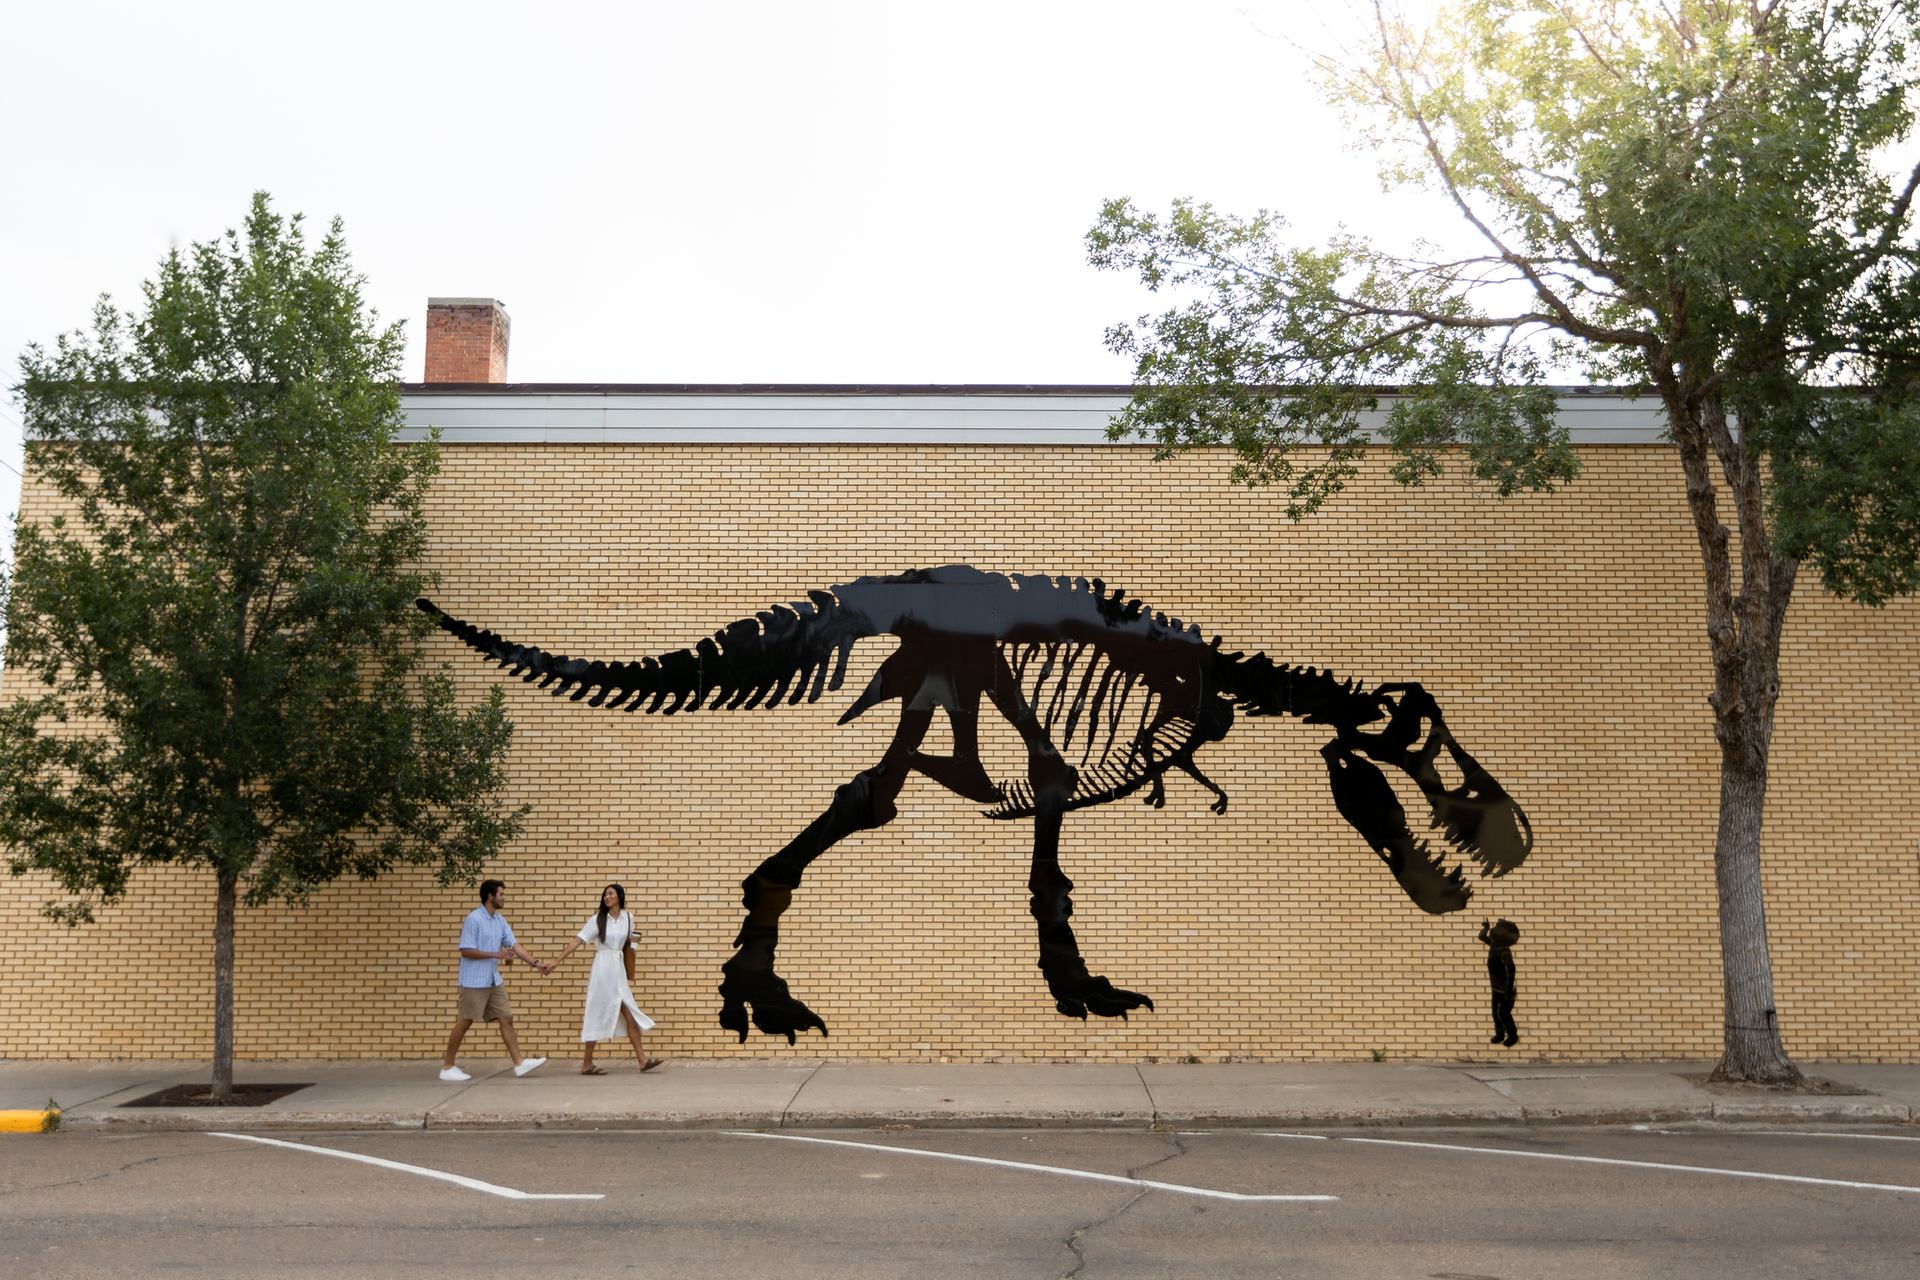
<point>1562,636</point>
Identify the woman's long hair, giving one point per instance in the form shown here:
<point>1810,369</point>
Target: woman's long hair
<point>619,893</point>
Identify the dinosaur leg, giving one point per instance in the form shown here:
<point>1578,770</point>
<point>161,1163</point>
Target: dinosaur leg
<point>1075,991</point>
<point>749,978</point>
<point>962,773</point>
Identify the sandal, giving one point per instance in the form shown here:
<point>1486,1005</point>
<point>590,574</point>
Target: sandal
<point>651,1063</point>
<point>593,1071</point>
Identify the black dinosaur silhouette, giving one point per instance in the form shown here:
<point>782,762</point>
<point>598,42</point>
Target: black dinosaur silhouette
<point>1072,667</point>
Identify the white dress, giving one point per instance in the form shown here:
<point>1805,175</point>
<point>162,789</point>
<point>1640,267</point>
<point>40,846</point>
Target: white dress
<point>607,988</point>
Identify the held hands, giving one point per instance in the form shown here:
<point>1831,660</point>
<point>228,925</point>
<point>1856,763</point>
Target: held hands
<point>543,968</point>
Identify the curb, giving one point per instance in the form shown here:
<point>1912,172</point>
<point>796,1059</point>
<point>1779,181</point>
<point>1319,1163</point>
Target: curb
<point>43,1121</point>
<point>197,1119</point>
<point>1843,1109</point>
<point>1853,1111</point>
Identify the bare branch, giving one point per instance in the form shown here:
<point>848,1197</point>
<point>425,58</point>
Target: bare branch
<point>1444,320</point>
<point>1593,51</point>
<point>1896,218</point>
<point>1565,319</point>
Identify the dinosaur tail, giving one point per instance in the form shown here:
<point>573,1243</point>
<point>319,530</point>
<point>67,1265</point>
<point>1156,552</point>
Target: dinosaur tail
<point>789,653</point>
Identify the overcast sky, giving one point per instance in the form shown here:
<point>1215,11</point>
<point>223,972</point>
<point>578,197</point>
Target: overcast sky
<point>722,192</point>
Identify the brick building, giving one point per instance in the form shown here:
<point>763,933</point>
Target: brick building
<point>1562,634</point>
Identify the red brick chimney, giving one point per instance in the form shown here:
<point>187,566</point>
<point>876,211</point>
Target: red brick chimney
<point>466,340</point>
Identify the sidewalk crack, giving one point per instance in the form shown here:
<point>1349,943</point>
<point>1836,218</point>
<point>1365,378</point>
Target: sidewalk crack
<point>142,1085</point>
<point>426,1117</point>
<point>1153,1103</point>
<point>1494,1085</point>
<point>787,1107</point>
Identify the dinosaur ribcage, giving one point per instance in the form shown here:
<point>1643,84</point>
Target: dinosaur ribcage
<point>1119,722</point>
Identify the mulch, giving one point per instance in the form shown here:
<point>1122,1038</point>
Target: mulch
<point>197,1095</point>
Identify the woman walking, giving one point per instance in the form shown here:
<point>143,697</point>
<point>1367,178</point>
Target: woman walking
<point>609,995</point>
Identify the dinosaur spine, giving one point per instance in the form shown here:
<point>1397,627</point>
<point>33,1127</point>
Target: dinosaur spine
<point>1260,686</point>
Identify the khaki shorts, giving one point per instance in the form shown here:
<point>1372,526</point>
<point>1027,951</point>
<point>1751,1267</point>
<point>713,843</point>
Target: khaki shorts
<point>484,1004</point>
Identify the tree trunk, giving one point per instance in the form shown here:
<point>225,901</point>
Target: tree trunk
<point>1751,1048</point>
<point>226,901</point>
<point>1743,634</point>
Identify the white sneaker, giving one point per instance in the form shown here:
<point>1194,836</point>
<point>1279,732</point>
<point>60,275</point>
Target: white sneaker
<point>529,1064</point>
<point>453,1075</point>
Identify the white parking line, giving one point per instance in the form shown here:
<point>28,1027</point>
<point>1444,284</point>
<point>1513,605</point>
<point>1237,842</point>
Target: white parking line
<point>1635,1164</point>
<point>1864,1137</point>
<point>472,1184</point>
<point>1206,1192</point>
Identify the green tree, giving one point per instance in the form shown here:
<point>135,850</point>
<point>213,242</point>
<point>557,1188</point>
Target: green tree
<point>213,659</point>
<point>1685,195</point>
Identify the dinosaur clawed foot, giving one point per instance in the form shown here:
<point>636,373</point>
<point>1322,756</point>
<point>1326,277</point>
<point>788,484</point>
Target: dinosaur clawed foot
<point>773,1013</point>
<point>1089,993</point>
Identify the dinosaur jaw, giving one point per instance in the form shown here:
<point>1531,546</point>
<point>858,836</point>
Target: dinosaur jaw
<point>1435,883</point>
<point>1481,820</point>
<point>1476,822</point>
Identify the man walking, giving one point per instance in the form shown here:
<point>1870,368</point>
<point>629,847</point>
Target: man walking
<point>485,940</point>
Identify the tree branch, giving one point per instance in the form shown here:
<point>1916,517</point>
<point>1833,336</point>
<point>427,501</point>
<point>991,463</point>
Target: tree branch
<point>1567,321</point>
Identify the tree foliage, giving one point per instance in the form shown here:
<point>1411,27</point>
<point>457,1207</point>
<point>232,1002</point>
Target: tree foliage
<point>212,656</point>
<point>1690,196</point>
<point>1285,347</point>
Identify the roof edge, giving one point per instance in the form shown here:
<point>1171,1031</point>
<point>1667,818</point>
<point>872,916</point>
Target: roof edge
<point>872,388</point>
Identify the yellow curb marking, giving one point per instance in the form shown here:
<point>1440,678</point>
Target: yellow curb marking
<point>36,1121</point>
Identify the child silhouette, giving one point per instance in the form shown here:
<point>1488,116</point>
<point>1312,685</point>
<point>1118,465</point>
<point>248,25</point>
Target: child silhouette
<point>1499,941</point>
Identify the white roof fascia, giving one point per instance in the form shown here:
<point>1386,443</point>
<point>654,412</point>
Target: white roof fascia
<point>799,417</point>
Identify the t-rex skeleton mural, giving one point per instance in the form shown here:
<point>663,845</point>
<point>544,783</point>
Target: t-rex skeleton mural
<point>1107,697</point>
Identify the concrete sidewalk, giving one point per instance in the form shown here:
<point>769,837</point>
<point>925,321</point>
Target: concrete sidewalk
<point>813,1094</point>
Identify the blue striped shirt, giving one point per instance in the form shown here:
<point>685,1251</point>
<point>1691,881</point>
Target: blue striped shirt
<point>483,931</point>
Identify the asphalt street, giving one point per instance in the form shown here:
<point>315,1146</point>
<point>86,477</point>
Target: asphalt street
<point>1452,1204</point>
